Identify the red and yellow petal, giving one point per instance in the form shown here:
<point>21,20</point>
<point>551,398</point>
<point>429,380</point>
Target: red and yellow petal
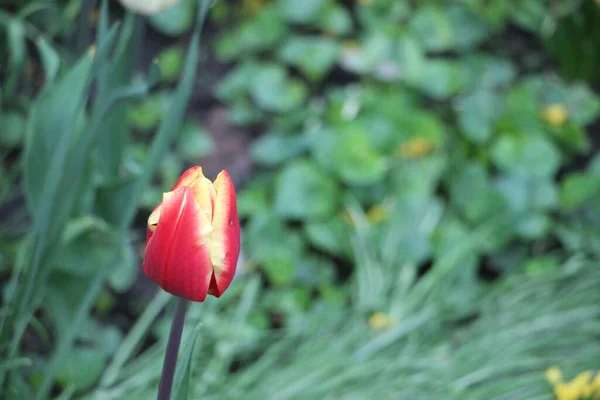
<point>204,193</point>
<point>225,239</point>
<point>153,221</point>
<point>188,177</point>
<point>177,253</point>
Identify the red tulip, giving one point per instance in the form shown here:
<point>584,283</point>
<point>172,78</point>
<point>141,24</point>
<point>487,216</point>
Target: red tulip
<point>193,240</point>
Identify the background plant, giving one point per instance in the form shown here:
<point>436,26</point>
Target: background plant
<point>421,220</point>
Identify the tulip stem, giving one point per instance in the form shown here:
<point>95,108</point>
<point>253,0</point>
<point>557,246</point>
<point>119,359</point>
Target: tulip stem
<point>170,362</point>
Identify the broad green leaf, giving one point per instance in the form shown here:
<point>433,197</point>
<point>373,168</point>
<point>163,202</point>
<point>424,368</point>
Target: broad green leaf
<point>469,30</point>
<point>530,155</point>
<point>254,198</point>
<point>349,154</point>
<point>433,28</point>
<point>303,191</point>
<point>578,188</point>
<point>302,12</point>
<point>272,90</point>
<point>477,114</point>
<point>194,143</point>
<point>13,129</point>
<point>331,235</point>
<point>472,193</point>
<point>442,79</point>
<point>170,61</point>
<point>146,114</point>
<point>237,83</point>
<point>314,56</point>
<point>336,19</point>
<point>313,271</point>
<point>275,248</point>
<point>274,148</point>
<point>526,193</point>
<point>411,59</point>
<point>263,32</point>
<point>175,20</point>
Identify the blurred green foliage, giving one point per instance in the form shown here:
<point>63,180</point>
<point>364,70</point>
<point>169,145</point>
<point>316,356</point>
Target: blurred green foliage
<point>391,104</point>
<point>410,152</point>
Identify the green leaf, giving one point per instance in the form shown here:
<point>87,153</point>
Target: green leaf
<point>533,226</point>
<point>336,19</point>
<point>134,338</point>
<point>472,193</point>
<point>442,79</point>
<point>531,155</point>
<point>433,28</point>
<point>411,59</point>
<point>148,113</point>
<point>50,59</point>
<point>477,115</point>
<point>272,90</point>
<point>302,12</point>
<point>469,30</point>
<point>528,194</point>
<point>238,82</point>
<point>181,382</point>
<point>85,239</point>
<point>114,74</point>
<point>272,149</point>
<point>175,20</point>
<point>263,32</point>
<point>13,130</point>
<point>170,61</point>
<point>125,269</point>
<point>276,248</point>
<point>254,198</point>
<point>353,157</point>
<point>50,130</point>
<point>303,191</point>
<point>194,143</point>
<point>331,235</point>
<point>17,48</point>
<point>314,56</point>
<point>97,344</point>
<point>578,188</point>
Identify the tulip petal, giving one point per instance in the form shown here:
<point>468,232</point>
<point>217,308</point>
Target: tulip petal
<point>225,239</point>
<point>153,221</point>
<point>204,193</point>
<point>188,177</point>
<point>177,255</point>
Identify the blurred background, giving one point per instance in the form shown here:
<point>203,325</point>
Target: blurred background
<point>418,185</point>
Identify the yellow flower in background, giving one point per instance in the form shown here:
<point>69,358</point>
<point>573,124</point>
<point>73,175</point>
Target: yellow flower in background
<point>416,147</point>
<point>147,7</point>
<point>375,215</point>
<point>555,114</point>
<point>254,6</point>
<point>584,386</point>
<point>381,321</point>
<point>553,375</point>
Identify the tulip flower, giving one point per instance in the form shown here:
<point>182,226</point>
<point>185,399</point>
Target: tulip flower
<point>193,239</point>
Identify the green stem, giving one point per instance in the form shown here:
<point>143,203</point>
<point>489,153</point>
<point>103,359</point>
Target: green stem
<point>168,372</point>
